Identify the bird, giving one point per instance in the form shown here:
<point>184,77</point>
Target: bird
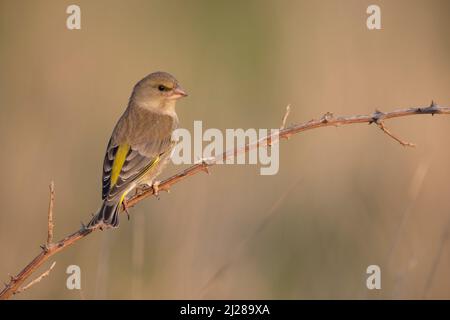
<point>140,145</point>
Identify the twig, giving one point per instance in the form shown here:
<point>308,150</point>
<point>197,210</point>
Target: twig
<point>286,115</point>
<point>390,134</point>
<point>327,120</point>
<point>378,119</point>
<point>38,279</point>
<point>51,225</point>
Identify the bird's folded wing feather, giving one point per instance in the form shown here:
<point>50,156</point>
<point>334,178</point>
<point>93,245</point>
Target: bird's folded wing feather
<point>125,162</point>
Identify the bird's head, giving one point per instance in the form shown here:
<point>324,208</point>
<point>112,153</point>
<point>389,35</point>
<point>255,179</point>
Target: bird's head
<point>158,91</point>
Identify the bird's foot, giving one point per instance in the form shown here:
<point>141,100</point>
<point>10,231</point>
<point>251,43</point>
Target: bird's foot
<point>155,187</point>
<point>140,189</point>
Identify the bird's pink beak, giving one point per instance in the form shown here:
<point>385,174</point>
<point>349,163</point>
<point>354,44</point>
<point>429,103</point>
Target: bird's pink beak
<point>178,93</point>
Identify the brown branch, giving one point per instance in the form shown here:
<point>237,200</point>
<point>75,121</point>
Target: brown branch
<point>202,166</point>
<point>51,225</point>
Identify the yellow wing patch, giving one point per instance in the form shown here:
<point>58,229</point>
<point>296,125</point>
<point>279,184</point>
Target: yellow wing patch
<point>119,160</point>
<point>150,166</point>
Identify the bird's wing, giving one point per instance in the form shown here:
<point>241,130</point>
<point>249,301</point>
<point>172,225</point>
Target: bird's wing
<point>125,161</point>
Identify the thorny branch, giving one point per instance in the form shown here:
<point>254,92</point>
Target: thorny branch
<point>50,249</point>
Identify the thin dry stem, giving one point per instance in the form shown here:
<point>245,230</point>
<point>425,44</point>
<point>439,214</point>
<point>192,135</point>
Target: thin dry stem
<point>38,279</point>
<point>390,134</point>
<point>51,225</point>
<point>286,115</point>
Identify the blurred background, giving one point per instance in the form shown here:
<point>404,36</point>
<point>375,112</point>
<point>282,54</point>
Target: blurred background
<point>343,199</point>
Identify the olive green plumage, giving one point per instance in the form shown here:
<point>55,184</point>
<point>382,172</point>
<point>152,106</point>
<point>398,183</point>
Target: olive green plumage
<point>140,145</point>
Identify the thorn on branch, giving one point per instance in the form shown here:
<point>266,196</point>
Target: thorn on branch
<point>377,116</point>
<point>206,162</point>
<point>433,108</point>
<point>327,117</point>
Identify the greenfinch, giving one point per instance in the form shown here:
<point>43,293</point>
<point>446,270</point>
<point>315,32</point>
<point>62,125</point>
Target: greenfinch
<point>140,145</point>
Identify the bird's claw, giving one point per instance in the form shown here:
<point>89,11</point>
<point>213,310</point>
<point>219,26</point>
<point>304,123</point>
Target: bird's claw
<point>155,187</point>
<point>140,189</point>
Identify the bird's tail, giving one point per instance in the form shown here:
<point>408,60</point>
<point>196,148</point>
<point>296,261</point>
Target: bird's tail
<point>107,216</point>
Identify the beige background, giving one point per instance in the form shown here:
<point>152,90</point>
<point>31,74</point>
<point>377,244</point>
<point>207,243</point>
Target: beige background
<point>344,198</point>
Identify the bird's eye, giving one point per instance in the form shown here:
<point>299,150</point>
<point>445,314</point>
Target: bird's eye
<point>162,88</point>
